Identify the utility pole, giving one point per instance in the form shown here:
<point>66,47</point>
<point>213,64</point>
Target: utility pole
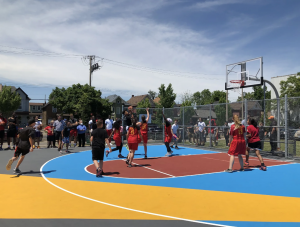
<point>91,58</point>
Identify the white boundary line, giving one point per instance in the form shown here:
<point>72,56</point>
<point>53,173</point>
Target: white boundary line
<point>125,208</point>
<point>154,170</point>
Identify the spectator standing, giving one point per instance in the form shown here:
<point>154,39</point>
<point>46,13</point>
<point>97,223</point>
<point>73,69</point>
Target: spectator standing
<point>66,135</point>
<point>201,127</point>
<point>73,132</point>
<point>12,130</point>
<point>226,133</point>
<point>213,131</point>
<point>191,132</point>
<point>50,135</point>
<point>175,128</point>
<point>38,126</point>
<point>108,126</point>
<point>273,134</point>
<point>261,134</point>
<point>81,129</point>
<point>3,122</point>
<point>59,126</point>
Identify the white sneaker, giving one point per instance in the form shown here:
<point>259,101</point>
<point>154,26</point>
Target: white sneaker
<point>110,144</point>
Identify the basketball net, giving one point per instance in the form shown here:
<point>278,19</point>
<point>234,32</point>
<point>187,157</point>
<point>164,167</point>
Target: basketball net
<point>236,85</point>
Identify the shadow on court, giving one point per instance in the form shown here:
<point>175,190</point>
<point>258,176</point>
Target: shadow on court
<point>31,172</point>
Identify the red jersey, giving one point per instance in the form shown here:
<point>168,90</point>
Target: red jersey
<point>254,134</point>
<point>49,130</point>
<point>144,128</point>
<point>168,133</point>
<point>238,134</point>
<point>118,136</point>
<point>3,122</point>
<point>133,135</point>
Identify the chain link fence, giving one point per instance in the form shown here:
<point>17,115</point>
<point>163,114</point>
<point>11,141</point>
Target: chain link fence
<point>208,126</point>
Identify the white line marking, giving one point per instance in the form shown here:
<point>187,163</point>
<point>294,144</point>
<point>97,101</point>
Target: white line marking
<point>125,208</point>
<point>154,170</point>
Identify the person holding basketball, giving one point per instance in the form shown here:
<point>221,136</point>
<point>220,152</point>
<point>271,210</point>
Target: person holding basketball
<point>132,139</point>
<point>25,145</point>
<point>168,135</point>
<point>254,143</point>
<point>117,131</point>
<point>144,130</point>
<point>237,143</point>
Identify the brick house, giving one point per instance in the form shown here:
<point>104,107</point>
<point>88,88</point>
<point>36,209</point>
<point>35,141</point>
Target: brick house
<point>134,100</point>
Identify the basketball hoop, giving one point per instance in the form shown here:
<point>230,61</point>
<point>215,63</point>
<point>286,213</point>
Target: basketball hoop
<point>236,85</point>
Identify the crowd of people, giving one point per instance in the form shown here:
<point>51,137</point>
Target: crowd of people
<point>64,131</point>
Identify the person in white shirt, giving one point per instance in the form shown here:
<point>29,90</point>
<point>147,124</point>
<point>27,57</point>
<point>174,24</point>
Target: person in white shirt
<point>38,126</point>
<point>175,127</point>
<point>109,126</point>
<point>201,127</point>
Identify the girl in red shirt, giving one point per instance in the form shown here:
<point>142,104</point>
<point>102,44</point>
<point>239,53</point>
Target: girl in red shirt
<point>237,143</point>
<point>144,130</point>
<point>132,139</point>
<point>117,131</point>
<point>254,143</point>
<point>168,135</point>
<point>50,135</point>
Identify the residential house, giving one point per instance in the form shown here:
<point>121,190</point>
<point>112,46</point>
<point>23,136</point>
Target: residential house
<point>117,102</point>
<point>36,109</point>
<point>23,111</point>
<point>254,109</point>
<point>48,113</point>
<point>134,100</point>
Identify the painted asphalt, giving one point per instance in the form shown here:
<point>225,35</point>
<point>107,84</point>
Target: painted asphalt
<point>66,193</point>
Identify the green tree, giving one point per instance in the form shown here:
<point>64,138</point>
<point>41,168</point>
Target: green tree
<point>143,104</point>
<point>166,95</point>
<point>218,96</point>
<point>197,98</point>
<point>186,97</point>
<point>205,97</point>
<point>9,101</point>
<point>152,94</point>
<point>188,110</point>
<point>81,100</point>
<point>290,87</point>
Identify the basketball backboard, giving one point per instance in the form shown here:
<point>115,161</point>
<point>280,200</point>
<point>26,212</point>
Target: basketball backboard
<point>244,74</point>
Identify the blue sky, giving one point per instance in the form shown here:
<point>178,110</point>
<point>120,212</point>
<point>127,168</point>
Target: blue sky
<point>200,37</point>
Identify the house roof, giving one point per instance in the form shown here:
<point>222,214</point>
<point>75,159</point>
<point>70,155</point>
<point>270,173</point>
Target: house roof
<point>204,113</point>
<point>133,101</point>
<point>36,104</point>
<point>156,100</point>
<point>14,89</point>
<point>113,98</point>
<point>252,105</point>
<point>22,91</point>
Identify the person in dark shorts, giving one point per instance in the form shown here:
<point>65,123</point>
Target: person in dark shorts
<point>50,135</point>
<point>254,143</point>
<point>25,145</point>
<point>261,134</point>
<point>3,122</point>
<point>81,129</point>
<point>12,131</point>
<point>168,135</point>
<point>117,131</point>
<point>59,126</point>
<point>98,138</point>
<point>66,136</point>
<point>73,132</point>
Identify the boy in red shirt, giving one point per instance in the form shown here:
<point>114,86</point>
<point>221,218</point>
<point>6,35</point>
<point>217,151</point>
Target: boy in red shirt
<point>254,143</point>
<point>50,135</point>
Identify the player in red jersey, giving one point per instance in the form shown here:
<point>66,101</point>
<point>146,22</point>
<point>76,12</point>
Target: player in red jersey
<point>132,139</point>
<point>254,143</point>
<point>237,143</point>
<point>168,135</point>
<point>117,131</point>
<point>144,130</point>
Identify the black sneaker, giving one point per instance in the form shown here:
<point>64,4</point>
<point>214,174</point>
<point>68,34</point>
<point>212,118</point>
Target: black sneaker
<point>17,170</point>
<point>241,169</point>
<point>129,166</point>
<point>228,171</point>
<point>172,146</point>
<point>127,161</point>
<point>176,148</point>
<point>146,157</point>
<point>99,173</point>
<point>120,156</point>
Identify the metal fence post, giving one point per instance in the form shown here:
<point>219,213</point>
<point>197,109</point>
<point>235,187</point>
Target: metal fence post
<point>246,114</point>
<point>163,125</point>
<point>209,123</point>
<point>278,123</point>
<point>124,130</point>
<point>183,127</point>
<point>286,125</point>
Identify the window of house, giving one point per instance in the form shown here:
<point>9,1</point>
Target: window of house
<point>118,101</point>
<point>39,107</point>
<point>33,107</point>
<point>112,109</point>
<point>20,107</point>
<point>54,110</point>
<point>118,110</point>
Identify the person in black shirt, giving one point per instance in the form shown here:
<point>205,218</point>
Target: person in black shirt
<point>73,132</point>
<point>273,134</point>
<point>12,130</point>
<point>25,145</point>
<point>98,138</point>
<point>66,136</point>
<point>226,133</point>
<point>261,134</point>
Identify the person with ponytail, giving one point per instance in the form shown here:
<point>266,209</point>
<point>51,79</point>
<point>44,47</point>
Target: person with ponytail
<point>254,143</point>
<point>117,131</point>
<point>144,130</point>
<point>132,139</point>
<point>168,135</point>
<point>237,143</point>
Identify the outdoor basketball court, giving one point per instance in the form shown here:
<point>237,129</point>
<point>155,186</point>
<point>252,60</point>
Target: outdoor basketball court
<point>187,189</point>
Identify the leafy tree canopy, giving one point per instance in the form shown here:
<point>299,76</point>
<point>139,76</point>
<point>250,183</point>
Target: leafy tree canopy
<point>143,104</point>
<point>152,94</point>
<point>81,100</point>
<point>291,86</point>
<point>257,94</point>
<point>9,101</point>
<point>166,95</point>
